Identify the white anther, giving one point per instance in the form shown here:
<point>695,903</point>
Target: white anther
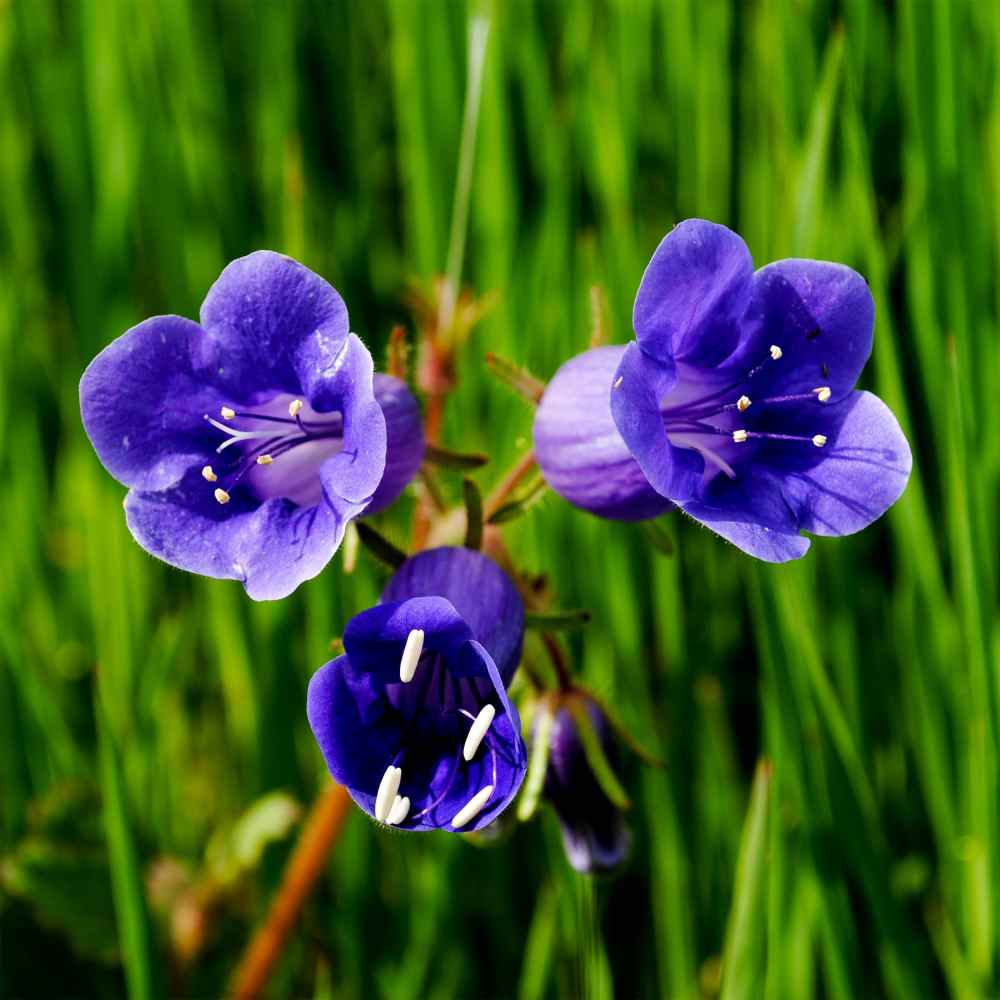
<point>743,404</point>
<point>208,473</point>
<point>264,460</point>
<point>399,811</point>
<point>385,799</point>
<point>222,496</point>
<point>823,393</point>
<point>472,808</point>
<point>740,436</point>
<point>478,731</point>
<point>228,413</point>
<point>294,407</point>
<point>776,352</point>
<point>411,655</point>
<point>618,381</point>
<point>819,440</point>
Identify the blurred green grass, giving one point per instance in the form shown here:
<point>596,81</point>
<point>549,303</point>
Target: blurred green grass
<point>143,145</point>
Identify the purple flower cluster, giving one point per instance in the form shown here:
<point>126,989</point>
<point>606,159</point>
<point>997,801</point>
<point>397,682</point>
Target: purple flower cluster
<point>248,442</point>
<point>735,402</point>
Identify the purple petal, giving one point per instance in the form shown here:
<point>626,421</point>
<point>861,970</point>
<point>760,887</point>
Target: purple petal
<point>351,477</point>
<point>142,400</point>
<point>693,293</point>
<point>275,324</point>
<point>405,440</point>
<point>835,490</point>
<point>579,450</point>
<point>595,836</point>
<point>641,384</point>
<point>271,549</point>
<point>477,588</point>
<point>820,315</point>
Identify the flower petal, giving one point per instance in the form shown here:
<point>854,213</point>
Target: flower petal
<point>482,594</point>
<point>821,316</point>
<point>693,293</point>
<point>579,450</point>
<point>837,489</point>
<point>142,400</point>
<point>351,477</point>
<point>405,440</point>
<point>864,469</point>
<point>639,387</point>
<point>275,324</point>
<point>271,549</point>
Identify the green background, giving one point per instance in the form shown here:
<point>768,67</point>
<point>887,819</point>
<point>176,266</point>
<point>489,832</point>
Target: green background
<point>143,711</point>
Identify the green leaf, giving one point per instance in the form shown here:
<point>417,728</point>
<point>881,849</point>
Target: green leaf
<point>526,385</point>
<point>557,621</point>
<point>454,459</point>
<point>473,514</point>
<point>519,507</point>
<point>537,763</point>
<point>380,546</point>
<point>658,537</point>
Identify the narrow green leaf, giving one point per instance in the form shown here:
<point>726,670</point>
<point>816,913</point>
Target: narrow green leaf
<point>526,385</point>
<point>538,762</point>
<point>473,514</point>
<point>454,459</point>
<point>380,546</point>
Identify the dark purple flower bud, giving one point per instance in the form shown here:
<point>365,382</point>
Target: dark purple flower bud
<point>735,402</point>
<point>595,835</point>
<point>249,441</point>
<point>414,718</point>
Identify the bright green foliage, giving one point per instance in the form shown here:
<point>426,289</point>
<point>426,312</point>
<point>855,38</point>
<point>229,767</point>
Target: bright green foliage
<point>143,145</point>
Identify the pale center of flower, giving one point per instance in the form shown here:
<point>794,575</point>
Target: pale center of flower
<point>275,450</point>
<point>712,422</point>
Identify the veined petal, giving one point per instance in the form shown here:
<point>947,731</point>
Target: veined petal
<point>693,293</point>
<point>477,589</point>
<point>351,477</point>
<point>820,314</point>
<point>270,548</point>
<point>579,449</point>
<point>142,400</point>
<point>404,440</point>
<point>640,385</point>
<point>274,323</point>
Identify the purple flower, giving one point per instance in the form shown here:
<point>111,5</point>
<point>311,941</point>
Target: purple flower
<point>250,440</point>
<point>735,402</point>
<point>595,836</point>
<point>414,718</point>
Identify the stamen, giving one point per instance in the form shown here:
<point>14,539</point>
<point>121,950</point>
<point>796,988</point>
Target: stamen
<point>264,459</point>
<point>385,798</point>
<point>411,655</point>
<point>740,436</point>
<point>478,731</point>
<point>222,496</point>
<point>294,407</point>
<point>472,808</point>
<point>823,393</point>
<point>208,473</point>
<point>399,811</point>
<point>819,440</point>
<point>618,381</point>
<point>776,352</point>
<point>743,404</point>
<point>228,413</point>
